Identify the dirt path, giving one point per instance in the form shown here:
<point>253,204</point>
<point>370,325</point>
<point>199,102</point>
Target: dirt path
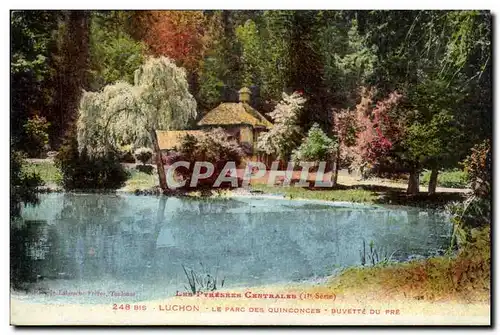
<point>346,179</point>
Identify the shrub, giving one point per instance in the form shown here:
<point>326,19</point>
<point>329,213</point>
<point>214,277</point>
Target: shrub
<point>148,169</point>
<point>316,147</point>
<point>475,211</point>
<point>83,172</point>
<point>452,179</point>
<point>215,147</point>
<point>37,137</point>
<point>477,166</point>
<point>126,155</point>
<point>143,155</point>
<point>23,184</point>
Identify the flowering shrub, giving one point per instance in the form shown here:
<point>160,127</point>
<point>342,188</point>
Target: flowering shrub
<point>281,139</point>
<point>215,147</point>
<point>367,133</point>
<point>143,155</point>
<point>317,146</point>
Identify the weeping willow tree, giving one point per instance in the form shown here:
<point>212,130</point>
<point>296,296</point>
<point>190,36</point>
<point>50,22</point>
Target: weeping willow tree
<point>124,114</point>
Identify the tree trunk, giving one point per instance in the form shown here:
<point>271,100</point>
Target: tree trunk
<point>335,168</point>
<point>159,162</point>
<point>413,182</point>
<point>433,181</point>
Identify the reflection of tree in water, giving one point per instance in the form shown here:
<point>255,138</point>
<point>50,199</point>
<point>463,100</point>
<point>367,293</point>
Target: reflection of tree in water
<point>28,250</point>
<point>106,237</point>
<point>91,237</point>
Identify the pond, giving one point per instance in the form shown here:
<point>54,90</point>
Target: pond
<point>80,247</point>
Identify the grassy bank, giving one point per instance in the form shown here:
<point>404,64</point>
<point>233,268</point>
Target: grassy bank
<point>351,195</point>
<point>49,173</point>
<point>51,176</point>
<point>139,181</point>
<point>451,179</point>
<point>465,276</point>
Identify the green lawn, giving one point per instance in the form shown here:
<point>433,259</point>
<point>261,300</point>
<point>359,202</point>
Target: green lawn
<point>451,179</point>
<point>351,195</point>
<point>139,181</point>
<point>49,173</point>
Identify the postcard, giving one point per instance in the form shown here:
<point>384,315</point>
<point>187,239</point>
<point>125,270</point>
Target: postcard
<point>265,167</point>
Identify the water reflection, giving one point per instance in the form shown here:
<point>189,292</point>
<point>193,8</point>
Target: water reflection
<point>139,244</point>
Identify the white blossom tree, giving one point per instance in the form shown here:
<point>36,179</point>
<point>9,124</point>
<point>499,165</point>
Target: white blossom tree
<point>284,136</point>
<point>123,114</point>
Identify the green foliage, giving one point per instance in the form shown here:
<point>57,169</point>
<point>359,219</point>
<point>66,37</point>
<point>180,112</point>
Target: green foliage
<point>143,155</point>
<point>140,180</point>
<point>440,61</point>
<point>211,81</point>
<point>114,54</point>
<point>81,172</point>
<point>71,72</point>
<point>37,137</point>
<point>23,184</point>
<point>47,171</point>
<point>452,179</point>
<point>248,36</point>
<point>316,147</point>
<point>349,60</point>
<point>214,146</point>
<point>373,255</point>
<point>276,44</point>
<point>30,68</point>
<point>31,41</point>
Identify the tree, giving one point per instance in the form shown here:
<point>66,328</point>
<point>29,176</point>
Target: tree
<point>248,36</point>
<point>70,60</point>
<point>277,37</point>
<point>349,61</point>
<point>283,137</point>
<point>122,113</point>
<point>180,35</point>
<point>30,68</point>
<point>436,60</point>
<point>221,68</point>
<point>175,34</point>
<point>345,130</point>
<point>23,185</point>
<point>114,54</point>
<point>369,133</point>
<point>316,147</point>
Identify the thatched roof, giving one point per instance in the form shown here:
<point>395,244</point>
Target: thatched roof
<point>234,113</point>
<point>168,139</point>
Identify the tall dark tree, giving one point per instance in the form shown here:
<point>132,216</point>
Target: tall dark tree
<point>71,63</point>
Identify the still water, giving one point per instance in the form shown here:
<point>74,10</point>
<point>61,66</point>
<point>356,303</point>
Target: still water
<point>83,247</point>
